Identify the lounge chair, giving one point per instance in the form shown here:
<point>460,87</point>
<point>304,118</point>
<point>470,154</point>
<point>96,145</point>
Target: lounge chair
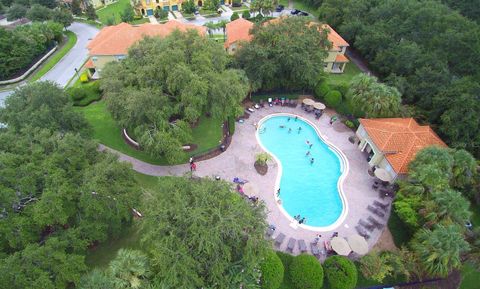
<point>374,222</point>
<point>262,103</point>
<point>256,106</point>
<point>302,246</point>
<point>380,205</point>
<point>361,231</point>
<point>376,211</point>
<point>315,249</point>
<point>270,101</point>
<point>369,226</point>
<point>293,103</point>
<point>239,181</point>
<point>279,239</point>
<point>291,244</point>
<point>251,109</point>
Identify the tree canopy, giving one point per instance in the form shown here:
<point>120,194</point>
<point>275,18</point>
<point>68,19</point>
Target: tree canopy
<point>58,193</point>
<point>287,53</point>
<point>165,85</point>
<point>199,233</point>
<point>426,50</point>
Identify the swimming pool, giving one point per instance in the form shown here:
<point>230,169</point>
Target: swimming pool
<point>309,188</point>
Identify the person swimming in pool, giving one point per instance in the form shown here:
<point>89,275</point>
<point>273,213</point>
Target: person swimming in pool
<point>289,130</point>
<point>308,153</point>
<point>296,117</point>
<point>299,129</point>
<point>281,126</point>
<point>288,119</point>
<point>312,160</point>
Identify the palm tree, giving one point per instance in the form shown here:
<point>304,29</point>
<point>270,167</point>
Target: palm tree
<point>451,204</point>
<point>373,98</point>
<point>96,279</point>
<point>129,269</point>
<point>464,169</point>
<point>210,26</point>
<point>440,250</point>
<point>223,24</point>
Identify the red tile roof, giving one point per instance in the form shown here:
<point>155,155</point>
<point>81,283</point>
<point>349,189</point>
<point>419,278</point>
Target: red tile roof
<point>89,64</point>
<point>334,37</point>
<point>341,58</point>
<point>238,30</point>
<point>116,40</point>
<point>400,139</point>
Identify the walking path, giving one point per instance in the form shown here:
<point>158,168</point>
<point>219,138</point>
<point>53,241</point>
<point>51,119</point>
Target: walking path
<point>152,19</point>
<point>238,161</point>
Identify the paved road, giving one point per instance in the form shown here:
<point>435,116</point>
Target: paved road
<point>64,70</point>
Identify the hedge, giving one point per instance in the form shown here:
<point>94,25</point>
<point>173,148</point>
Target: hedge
<point>333,98</point>
<point>85,94</point>
<point>306,272</point>
<point>231,125</point>
<point>340,272</point>
<point>272,271</point>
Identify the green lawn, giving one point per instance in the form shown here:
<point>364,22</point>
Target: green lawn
<point>113,10</point>
<point>350,71</point>
<point>300,6</point>
<point>470,277</point>
<point>140,21</point>
<point>55,58</point>
<point>206,135</point>
<point>241,8</point>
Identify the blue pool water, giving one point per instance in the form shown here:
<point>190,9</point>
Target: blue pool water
<point>306,189</point>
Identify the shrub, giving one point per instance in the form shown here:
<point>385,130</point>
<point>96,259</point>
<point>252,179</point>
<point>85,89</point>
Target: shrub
<point>272,271</point>
<point>340,272</point>
<point>84,77</point>
<point>76,93</point>
<point>234,16</point>
<point>246,14</point>
<point>333,98</point>
<point>321,90</point>
<point>342,87</point>
<point>306,272</point>
<point>231,125</point>
<point>85,94</point>
<point>262,158</point>
<point>349,124</point>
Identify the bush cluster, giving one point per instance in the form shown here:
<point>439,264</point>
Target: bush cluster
<point>85,94</point>
<point>340,272</point>
<point>306,272</point>
<point>272,271</point>
<point>333,98</point>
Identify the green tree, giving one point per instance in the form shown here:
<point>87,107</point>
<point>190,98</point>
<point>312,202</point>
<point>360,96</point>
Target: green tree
<point>432,167</point>
<point>440,250</point>
<point>340,272</point>
<point>246,14</point>
<point>42,105</point>
<point>62,16</point>
<point>202,235</point>
<point>45,3</point>
<point>75,7</point>
<point>129,269</point>
<point>187,81</point>
<point>306,272</point>
<point>452,205</point>
<point>376,266</point>
<point>47,266</point>
<point>188,7</point>
<point>90,12</point>
<point>127,14</point>
<point>234,16</point>
<point>39,13</point>
<point>333,98</point>
<point>464,171</point>
<point>263,7</point>
<point>372,98</point>
<point>284,54</point>
<point>211,5</point>
<point>16,11</point>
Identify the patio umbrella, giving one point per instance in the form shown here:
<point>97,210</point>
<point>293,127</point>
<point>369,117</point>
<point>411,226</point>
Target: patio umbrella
<point>319,105</point>
<point>308,101</point>
<point>383,175</point>
<point>250,189</point>
<point>358,244</point>
<point>340,245</point>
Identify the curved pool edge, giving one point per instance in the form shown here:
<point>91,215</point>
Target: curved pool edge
<point>344,168</point>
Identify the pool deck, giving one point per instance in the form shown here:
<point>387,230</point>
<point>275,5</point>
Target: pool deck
<point>238,161</point>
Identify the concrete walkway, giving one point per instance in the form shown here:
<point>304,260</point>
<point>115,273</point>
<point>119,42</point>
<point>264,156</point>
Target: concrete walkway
<point>152,19</point>
<point>238,161</point>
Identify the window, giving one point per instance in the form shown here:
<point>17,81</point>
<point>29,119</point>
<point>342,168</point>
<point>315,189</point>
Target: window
<point>325,65</point>
<point>94,58</point>
<point>388,168</point>
<point>120,57</point>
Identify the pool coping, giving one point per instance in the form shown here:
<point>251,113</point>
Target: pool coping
<point>344,168</point>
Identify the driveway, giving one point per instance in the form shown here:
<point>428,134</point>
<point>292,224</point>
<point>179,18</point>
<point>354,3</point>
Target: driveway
<point>64,70</point>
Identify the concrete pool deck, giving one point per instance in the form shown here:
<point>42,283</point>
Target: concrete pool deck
<point>239,158</point>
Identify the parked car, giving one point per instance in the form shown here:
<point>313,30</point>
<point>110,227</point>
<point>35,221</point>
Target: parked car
<point>302,13</point>
<point>279,8</point>
<point>295,12</point>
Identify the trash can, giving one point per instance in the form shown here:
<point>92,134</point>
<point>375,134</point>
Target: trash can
<point>222,148</point>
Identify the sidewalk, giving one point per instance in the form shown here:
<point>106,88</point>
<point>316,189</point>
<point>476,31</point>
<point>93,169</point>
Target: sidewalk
<point>152,19</point>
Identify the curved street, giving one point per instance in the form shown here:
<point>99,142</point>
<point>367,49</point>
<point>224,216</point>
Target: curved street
<point>64,70</point>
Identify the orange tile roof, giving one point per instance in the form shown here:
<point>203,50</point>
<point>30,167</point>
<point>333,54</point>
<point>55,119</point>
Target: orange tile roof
<point>341,58</point>
<point>334,37</point>
<point>400,139</point>
<point>89,64</point>
<point>116,40</point>
<point>238,30</point>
